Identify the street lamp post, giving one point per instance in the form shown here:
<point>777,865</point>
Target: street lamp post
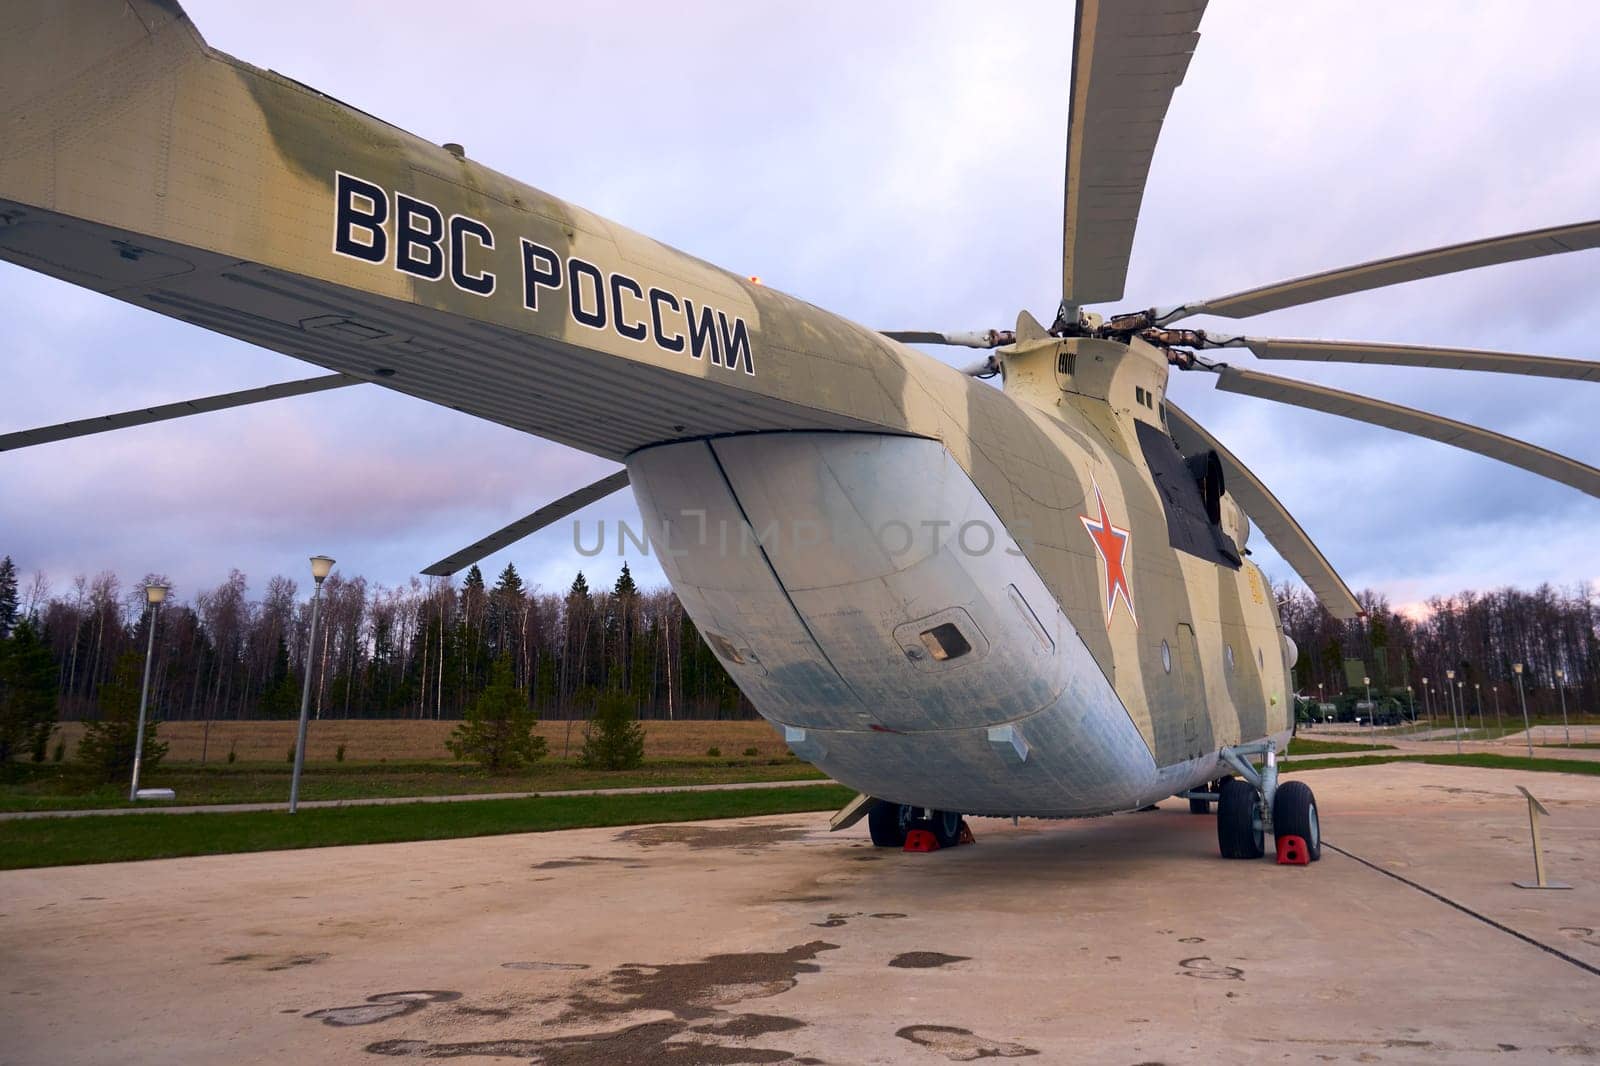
<point>1477,695</point>
<point>1499,722</point>
<point>1455,719</point>
<point>1427,704</point>
<point>1561,686</point>
<point>320,566</point>
<point>1372,715</point>
<point>153,595</point>
<point>1527,729</point>
<point>1411,705</point>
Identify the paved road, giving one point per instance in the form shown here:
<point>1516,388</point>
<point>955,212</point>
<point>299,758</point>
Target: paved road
<point>1115,940</point>
<point>385,801</point>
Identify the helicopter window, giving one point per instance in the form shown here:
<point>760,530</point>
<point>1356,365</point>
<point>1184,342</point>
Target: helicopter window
<point>1228,655</point>
<point>1166,657</point>
<point>945,642</point>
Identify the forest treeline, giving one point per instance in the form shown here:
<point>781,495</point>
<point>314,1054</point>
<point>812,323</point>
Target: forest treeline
<point>426,649</point>
<point>421,650</point>
<point>1479,635</point>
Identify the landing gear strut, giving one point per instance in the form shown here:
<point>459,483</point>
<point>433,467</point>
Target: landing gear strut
<point>1253,804</point>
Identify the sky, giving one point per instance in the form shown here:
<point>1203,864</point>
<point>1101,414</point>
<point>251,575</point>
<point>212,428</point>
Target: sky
<point>901,166</point>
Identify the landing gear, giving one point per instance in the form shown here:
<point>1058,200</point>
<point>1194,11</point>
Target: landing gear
<point>1294,813</point>
<point>1253,804</point>
<point>890,822</point>
<point>1241,833</point>
<point>945,826</point>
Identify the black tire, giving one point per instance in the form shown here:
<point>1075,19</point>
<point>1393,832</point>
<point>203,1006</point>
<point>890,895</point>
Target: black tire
<point>1294,814</point>
<point>1239,830</point>
<point>1199,806</point>
<point>889,823</point>
<point>945,827</point>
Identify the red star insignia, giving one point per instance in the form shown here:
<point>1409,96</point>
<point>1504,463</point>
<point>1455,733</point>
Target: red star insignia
<point>1111,541</point>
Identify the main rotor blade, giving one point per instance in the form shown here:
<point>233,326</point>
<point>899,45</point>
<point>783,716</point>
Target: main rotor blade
<point>27,438</point>
<point>1393,271</point>
<point>1128,57</point>
<point>529,524</point>
<point>1412,355</point>
<point>1270,516</point>
<point>991,338</point>
<point>1417,423</point>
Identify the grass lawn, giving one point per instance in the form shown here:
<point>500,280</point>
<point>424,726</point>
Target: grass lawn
<point>119,838</point>
<point>49,786</point>
<point>1303,746</point>
<point>1482,760</point>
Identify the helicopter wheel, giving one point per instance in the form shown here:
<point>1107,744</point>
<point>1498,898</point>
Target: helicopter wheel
<point>889,823</point>
<point>1240,830</point>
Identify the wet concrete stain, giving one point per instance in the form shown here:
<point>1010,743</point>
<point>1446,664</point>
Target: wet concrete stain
<point>693,993</point>
<point>544,965</point>
<point>499,1014</point>
<point>804,899</point>
<point>1191,940</point>
<point>699,837</point>
<point>585,860</point>
<point>888,914</point>
<point>962,1045</point>
<point>750,1026</point>
<point>638,1043</point>
<point>925,960</point>
<point>382,1007</point>
<point>278,962</point>
<point>692,990</point>
<point>291,961</point>
<point>1203,967</point>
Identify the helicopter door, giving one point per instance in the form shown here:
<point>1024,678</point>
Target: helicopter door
<point>1193,689</point>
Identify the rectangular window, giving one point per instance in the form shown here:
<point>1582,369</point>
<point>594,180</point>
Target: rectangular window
<point>945,642</point>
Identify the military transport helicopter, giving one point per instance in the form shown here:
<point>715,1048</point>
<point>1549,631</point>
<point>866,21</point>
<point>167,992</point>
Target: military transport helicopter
<point>1033,600</point>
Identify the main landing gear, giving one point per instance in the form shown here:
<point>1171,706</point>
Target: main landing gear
<point>1254,804</point>
<point>891,823</point>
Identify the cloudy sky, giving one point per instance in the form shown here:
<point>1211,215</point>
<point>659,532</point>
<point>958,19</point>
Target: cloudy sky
<point>900,165</point>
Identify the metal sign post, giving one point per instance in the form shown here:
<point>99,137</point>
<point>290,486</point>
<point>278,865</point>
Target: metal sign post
<point>1535,809</point>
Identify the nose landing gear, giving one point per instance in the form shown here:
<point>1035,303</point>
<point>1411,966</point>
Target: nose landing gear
<point>1253,804</point>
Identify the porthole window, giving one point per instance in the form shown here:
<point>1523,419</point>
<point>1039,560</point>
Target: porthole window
<point>945,642</point>
<point>1228,656</point>
<point>1166,657</point>
<point>1261,658</point>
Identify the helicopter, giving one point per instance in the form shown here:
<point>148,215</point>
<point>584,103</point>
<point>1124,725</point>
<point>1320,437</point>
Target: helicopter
<point>1035,600</point>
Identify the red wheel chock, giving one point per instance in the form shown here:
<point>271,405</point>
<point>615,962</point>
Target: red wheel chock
<point>1292,851</point>
<point>966,834</point>
<point>921,840</point>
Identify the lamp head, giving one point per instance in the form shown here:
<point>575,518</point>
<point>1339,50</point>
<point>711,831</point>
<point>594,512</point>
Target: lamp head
<point>1449,675</point>
<point>321,565</point>
<point>1516,668</point>
<point>155,592</point>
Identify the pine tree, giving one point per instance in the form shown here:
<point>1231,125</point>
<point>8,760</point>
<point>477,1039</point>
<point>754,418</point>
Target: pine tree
<point>27,692</point>
<point>281,698</point>
<point>8,596</point>
<point>107,746</point>
<point>614,740</point>
<point>498,731</point>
